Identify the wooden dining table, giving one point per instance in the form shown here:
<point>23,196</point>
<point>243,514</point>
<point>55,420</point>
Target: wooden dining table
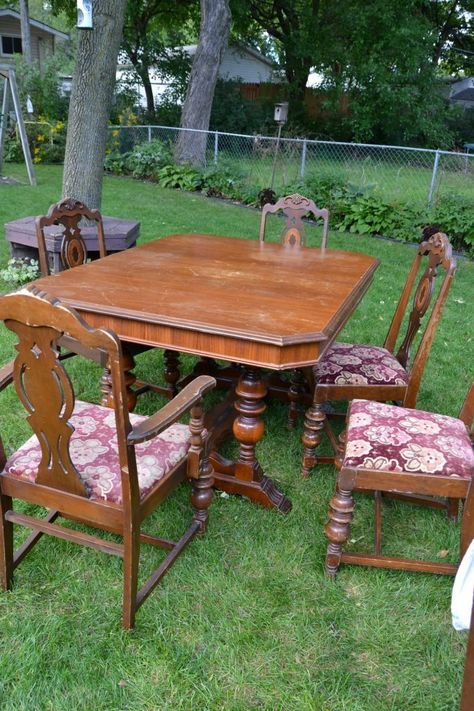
<point>260,306</point>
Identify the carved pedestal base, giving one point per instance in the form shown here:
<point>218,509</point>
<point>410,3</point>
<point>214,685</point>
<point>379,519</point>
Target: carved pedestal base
<point>244,476</point>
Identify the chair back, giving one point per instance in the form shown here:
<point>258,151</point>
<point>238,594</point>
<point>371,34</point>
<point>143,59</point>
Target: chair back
<point>45,389</point>
<point>68,213</point>
<point>437,253</point>
<point>295,207</point>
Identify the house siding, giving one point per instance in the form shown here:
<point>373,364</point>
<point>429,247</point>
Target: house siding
<point>238,64</point>
<point>42,43</point>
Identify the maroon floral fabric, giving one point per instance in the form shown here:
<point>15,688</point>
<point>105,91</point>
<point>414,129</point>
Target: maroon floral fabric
<point>391,438</point>
<point>348,364</point>
<point>94,452</point>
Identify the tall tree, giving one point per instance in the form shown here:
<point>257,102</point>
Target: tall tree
<point>213,37</point>
<point>91,99</point>
<point>301,31</point>
<point>150,30</point>
<point>25,31</point>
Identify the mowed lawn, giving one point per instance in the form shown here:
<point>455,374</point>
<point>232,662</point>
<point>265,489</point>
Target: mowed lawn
<point>245,619</point>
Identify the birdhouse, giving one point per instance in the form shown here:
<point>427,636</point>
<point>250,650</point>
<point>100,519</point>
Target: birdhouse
<point>84,14</point>
<point>281,112</point>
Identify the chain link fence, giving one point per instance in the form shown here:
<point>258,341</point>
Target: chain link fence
<point>416,175</point>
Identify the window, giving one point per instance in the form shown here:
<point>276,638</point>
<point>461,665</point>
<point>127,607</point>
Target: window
<point>11,45</point>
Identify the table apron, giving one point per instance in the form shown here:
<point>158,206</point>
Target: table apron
<point>183,340</point>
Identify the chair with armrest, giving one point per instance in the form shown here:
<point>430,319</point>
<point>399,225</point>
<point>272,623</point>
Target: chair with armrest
<point>295,207</point>
<point>99,466</point>
<point>347,371</point>
<point>401,451</point>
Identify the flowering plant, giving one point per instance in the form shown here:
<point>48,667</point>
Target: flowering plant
<point>20,271</point>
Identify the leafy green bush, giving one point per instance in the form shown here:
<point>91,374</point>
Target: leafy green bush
<point>20,271</point>
<point>145,160</point>
<point>455,216</point>
<point>369,214</point>
<point>352,208</point>
<point>184,177</point>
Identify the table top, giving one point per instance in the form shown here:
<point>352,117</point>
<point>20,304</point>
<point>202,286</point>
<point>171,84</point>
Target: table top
<point>252,302</point>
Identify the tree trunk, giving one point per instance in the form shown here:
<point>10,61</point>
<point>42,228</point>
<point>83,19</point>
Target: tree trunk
<point>144,75</point>
<point>25,31</point>
<point>213,36</point>
<point>91,98</point>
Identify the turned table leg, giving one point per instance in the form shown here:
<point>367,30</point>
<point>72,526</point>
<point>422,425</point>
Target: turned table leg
<point>245,476</point>
<point>172,371</point>
<point>107,399</point>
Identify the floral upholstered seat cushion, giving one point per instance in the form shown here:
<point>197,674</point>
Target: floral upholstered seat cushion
<point>94,452</point>
<point>391,438</point>
<point>348,364</point>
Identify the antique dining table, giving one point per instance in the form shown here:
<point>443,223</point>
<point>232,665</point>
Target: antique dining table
<point>260,306</point>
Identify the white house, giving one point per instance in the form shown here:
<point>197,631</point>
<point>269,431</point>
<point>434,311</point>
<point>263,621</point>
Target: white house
<point>239,62</point>
<point>43,37</point>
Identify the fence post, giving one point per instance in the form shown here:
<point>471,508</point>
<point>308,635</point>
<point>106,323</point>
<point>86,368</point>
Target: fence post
<point>216,146</point>
<point>303,159</point>
<point>149,134</point>
<point>433,178</point>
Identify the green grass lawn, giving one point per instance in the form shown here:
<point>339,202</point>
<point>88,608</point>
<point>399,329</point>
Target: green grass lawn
<point>245,619</point>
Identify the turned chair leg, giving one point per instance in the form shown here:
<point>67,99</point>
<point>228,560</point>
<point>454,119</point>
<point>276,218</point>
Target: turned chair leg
<point>202,494</point>
<point>131,559</point>
<point>341,449</point>
<point>312,435</point>
<point>341,510</point>
<point>6,544</point>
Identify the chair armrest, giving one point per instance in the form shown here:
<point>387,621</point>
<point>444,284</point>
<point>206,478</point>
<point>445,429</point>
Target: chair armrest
<point>172,411</point>
<point>6,374</point>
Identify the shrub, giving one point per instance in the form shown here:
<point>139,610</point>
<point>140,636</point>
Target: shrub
<point>20,271</point>
<point>455,215</point>
<point>184,177</point>
<point>369,214</point>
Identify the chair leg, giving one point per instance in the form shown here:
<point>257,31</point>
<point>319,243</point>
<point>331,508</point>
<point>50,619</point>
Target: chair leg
<point>131,559</point>
<point>341,448</point>
<point>202,494</point>
<point>312,435</point>
<point>337,528</point>
<point>377,522</point>
<point>453,509</point>
<point>6,544</point>
<point>295,392</point>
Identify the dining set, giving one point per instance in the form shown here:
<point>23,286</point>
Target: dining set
<point>262,319</point>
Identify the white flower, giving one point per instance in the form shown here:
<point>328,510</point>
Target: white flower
<point>83,424</point>
<point>85,451</point>
<point>347,378</point>
<point>357,447</point>
<point>424,459</point>
<point>387,435</point>
<point>416,425</point>
<point>359,419</point>
<point>382,464</point>
<point>345,359</point>
<point>176,433</point>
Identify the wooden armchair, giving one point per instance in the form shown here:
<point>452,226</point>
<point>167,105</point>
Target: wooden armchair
<point>102,467</point>
<point>405,452</point>
<point>295,207</point>
<point>347,371</point>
